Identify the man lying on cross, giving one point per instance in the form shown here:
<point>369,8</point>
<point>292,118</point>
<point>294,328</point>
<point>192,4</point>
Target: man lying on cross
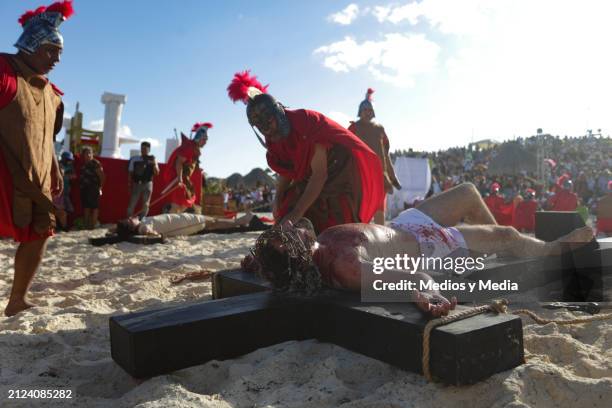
<point>291,257</point>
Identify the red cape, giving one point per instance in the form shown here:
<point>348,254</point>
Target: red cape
<point>500,210</point>
<point>292,156</point>
<point>524,215</point>
<point>188,151</point>
<point>8,83</point>
<point>564,200</point>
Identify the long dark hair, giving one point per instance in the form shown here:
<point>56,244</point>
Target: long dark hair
<point>292,270</point>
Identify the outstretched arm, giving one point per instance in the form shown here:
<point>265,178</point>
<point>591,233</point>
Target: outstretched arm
<point>155,167</point>
<point>428,301</point>
<point>282,184</point>
<point>57,179</point>
<point>388,163</point>
<point>101,175</point>
<point>318,166</point>
<point>350,273</point>
<point>178,167</point>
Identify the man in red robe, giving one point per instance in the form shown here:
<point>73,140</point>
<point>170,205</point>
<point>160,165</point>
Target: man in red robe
<point>501,210</point>
<point>178,175</point>
<point>31,114</point>
<point>325,173</point>
<point>524,214</point>
<point>564,199</point>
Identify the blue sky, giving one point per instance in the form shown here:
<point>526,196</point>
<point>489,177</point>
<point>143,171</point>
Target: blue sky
<point>446,72</point>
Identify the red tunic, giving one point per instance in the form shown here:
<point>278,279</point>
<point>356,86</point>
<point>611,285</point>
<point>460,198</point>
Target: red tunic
<point>291,158</point>
<point>604,225</point>
<point>500,210</point>
<point>524,215</point>
<point>188,151</point>
<point>8,91</point>
<point>564,200</point>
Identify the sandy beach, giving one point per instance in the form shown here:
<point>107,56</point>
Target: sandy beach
<point>64,343</point>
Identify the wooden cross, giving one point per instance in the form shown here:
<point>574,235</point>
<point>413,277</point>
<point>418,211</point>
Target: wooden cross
<point>246,316</point>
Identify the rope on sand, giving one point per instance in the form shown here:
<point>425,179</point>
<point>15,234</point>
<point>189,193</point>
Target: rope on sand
<point>497,306</point>
<point>192,276</point>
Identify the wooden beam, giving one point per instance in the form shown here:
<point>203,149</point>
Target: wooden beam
<point>579,273</point>
<point>134,239</point>
<point>155,342</point>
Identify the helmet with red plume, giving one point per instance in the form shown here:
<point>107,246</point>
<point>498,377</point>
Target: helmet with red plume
<point>262,108</point>
<point>41,26</point>
<point>366,103</point>
<point>201,131</point>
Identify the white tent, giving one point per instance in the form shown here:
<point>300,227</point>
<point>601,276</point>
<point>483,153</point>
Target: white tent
<point>415,177</point>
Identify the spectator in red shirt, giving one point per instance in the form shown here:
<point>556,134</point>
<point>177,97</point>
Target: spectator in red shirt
<point>524,214</point>
<point>564,199</point>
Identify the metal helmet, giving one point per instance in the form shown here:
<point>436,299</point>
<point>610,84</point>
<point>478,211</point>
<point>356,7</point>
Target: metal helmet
<point>367,103</point>
<point>261,107</point>
<point>41,26</point>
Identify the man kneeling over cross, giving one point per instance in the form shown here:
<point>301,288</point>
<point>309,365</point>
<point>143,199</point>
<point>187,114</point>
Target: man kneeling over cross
<point>454,223</point>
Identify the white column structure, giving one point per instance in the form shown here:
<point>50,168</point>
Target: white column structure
<point>112,119</point>
<point>66,125</point>
<point>171,144</point>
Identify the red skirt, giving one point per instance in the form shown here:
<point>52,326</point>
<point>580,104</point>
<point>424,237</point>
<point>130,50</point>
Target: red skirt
<point>7,228</point>
<point>179,197</point>
<point>604,224</point>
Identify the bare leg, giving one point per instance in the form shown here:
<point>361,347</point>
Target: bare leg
<point>497,239</point>
<point>220,223</point>
<point>379,217</point>
<point>94,218</point>
<point>87,217</point>
<point>461,203</point>
<point>62,218</point>
<point>134,196</point>
<point>27,260</point>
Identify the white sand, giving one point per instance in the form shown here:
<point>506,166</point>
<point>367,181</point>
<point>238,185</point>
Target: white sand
<point>64,344</point>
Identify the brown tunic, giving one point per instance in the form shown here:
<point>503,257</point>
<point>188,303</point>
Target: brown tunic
<point>375,137</point>
<point>338,202</point>
<point>27,128</point>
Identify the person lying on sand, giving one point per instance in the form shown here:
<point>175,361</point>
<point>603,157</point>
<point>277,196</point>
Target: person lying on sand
<point>170,225</point>
<point>292,257</point>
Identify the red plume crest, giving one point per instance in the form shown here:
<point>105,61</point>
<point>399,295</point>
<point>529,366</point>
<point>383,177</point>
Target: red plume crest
<point>199,125</point>
<point>369,94</point>
<point>64,7</point>
<point>239,87</point>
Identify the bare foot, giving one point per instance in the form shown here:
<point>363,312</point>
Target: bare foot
<point>16,306</point>
<point>580,235</point>
<point>577,237</point>
<point>435,304</point>
<point>245,219</point>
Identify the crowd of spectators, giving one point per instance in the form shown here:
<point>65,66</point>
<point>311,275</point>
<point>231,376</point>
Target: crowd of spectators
<point>259,198</point>
<point>585,160</point>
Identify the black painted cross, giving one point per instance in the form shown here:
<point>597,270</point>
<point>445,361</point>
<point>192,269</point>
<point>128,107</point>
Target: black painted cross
<point>246,316</point>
